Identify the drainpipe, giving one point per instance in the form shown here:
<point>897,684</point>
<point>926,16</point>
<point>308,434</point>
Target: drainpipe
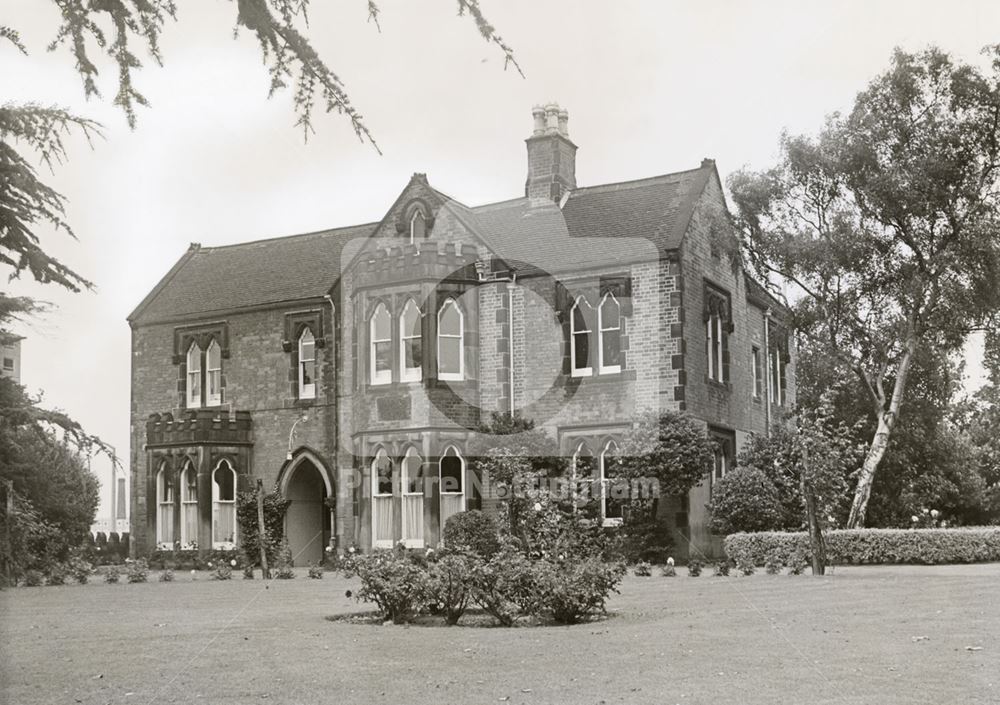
<point>510,333</point>
<point>767,370</point>
<point>336,381</point>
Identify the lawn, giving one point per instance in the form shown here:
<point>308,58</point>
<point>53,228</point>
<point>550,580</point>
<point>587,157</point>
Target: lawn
<point>848,638</point>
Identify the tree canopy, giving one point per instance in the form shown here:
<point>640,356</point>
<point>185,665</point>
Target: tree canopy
<point>885,226</point>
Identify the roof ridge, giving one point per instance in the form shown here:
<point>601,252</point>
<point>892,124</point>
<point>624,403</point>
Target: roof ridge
<point>637,182</point>
<point>314,233</point>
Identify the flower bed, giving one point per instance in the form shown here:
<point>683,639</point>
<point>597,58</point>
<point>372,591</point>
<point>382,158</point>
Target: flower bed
<point>872,546</point>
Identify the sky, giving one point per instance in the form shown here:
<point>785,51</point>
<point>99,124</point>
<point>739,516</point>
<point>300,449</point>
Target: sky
<point>651,87</point>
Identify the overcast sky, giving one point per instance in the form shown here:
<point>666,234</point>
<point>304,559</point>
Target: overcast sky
<point>651,87</point>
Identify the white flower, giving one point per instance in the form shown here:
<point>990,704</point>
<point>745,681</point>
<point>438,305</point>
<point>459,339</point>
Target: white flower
<point>210,564</point>
<point>925,510</point>
<point>192,572</point>
<point>329,549</point>
<point>350,549</point>
<point>944,525</point>
<point>538,506</point>
<point>233,563</point>
<point>935,513</point>
<point>914,519</point>
<point>562,557</point>
<point>670,561</point>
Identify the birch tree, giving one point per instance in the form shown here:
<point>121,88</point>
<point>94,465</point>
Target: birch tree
<point>886,227</point>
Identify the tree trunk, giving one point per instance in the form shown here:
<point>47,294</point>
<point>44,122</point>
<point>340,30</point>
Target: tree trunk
<point>876,451</point>
<point>817,545</point>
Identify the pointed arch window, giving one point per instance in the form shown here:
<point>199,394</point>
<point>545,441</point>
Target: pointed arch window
<point>381,470</point>
<point>189,506</point>
<point>224,506</point>
<point>451,341</point>
<point>307,364</point>
<point>609,330</point>
<point>213,374</point>
<point>380,356</point>
<point>418,227</point>
<point>164,508</point>
<point>452,483</point>
<point>412,482</point>
<point>194,376</point>
<point>580,331</point>
<point>410,344</point>
<point>612,489</point>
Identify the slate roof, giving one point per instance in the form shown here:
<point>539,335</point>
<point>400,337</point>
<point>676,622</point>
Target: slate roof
<point>629,221</point>
<point>208,279</point>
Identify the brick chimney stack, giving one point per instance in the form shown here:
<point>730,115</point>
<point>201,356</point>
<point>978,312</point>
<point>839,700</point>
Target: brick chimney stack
<point>551,154</point>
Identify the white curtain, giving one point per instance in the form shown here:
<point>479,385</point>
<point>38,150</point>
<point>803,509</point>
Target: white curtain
<point>451,504</point>
<point>413,519</point>
<point>382,506</point>
<point>165,523</point>
<point>189,520</point>
<point>224,524</point>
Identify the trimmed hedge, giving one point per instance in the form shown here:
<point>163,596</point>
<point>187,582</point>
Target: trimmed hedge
<point>845,546</point>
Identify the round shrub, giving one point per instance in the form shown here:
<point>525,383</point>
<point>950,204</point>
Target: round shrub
<point>474,532</point>
<point>447,585</point>
<point>316,571</point>
<point>643,569</point>
<point>112,574</point>
<point>137,571</point>
<point>744,500</point>
<point>391,580</point>
<point>570,591</point>
<point>694,567</point>
<point>167,576</point>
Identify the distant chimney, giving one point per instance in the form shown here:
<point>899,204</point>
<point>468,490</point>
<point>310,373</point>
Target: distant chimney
<point>551,155</point>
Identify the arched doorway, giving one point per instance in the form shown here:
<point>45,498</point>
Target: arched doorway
<point>307,521</point>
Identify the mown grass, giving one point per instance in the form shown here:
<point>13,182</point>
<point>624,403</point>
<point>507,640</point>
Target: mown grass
<point>848,638</point>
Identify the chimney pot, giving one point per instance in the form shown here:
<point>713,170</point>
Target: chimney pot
<point>564,123</point>
<point>538,113</point>
<point>552,118</point>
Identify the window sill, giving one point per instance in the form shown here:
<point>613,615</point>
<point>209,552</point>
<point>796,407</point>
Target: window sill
<point>607,377</point>
<point>716,384</point>
<point>608,523</point>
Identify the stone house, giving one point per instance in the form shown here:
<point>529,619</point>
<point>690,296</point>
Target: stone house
<point>348,366</point>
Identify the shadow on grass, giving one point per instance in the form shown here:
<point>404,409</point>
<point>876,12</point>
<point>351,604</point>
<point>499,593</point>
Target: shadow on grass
<point>471,618</point>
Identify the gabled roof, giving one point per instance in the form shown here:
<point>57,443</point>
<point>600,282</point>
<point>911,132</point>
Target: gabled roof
<point>623,221</point>
<point>619,222</point>
<point>209,279</point>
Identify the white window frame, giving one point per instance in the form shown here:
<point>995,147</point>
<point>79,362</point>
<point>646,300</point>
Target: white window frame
<point>375,375</point>
<point>757,388</point>
<point>404,484</point>
<point>307,390</point>
<point>164,499</point>
<point>188,542</point>
<point>380,454</point>
<point>608,369</point>
<point>713,332</point>
<point>216,501</point>
<point>573,332</point>
<point>409,374</point>
<point>460,375</point>
<point>213,374</point>
<point>605,482</point>
<point>193,383</point>
<point>413,220</point>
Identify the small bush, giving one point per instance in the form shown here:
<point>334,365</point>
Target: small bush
<point>473,532</point>
<point>669,571</point>
<point>80,569</point>
<point>772,566</point>
<point>112,574</point>
<point>569,591</point>
<point>874,546</point>
<point>643,569</point>
<point>57,574</point>
<point>448,584</point>
<point>390,580</point>
<point>797,563</point>
<point>744,500</point>
<point>722,568</point>
<point>285,572</point>
<point>248,571</point>
<point>167,576</point>
<point>33,578</point>
<point>137,570</point>
<point>746,566</point>
<point>221,570</point>
<point>504,585</point>
<point>316,571</point>
<point>694,567</point>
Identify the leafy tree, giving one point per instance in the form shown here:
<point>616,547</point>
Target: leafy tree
<point>745,500</point>
<point>670,449</point>
<point>885,225</point>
